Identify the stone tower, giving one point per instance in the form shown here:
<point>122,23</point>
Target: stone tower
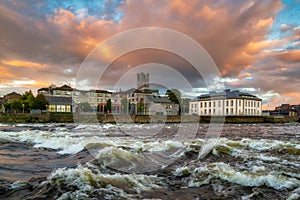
<point>142,80</point>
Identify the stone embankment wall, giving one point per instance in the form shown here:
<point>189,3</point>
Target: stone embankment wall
<point>95,118</point>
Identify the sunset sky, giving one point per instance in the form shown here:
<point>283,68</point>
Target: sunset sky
<point>255,44</point>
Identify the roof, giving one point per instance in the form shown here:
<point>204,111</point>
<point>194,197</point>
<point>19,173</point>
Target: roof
<point>13,93</point>
<point>59,100</point>
<point>44,89</point>
<point>64,87</point>
<point>228,94</point>
<point>158,99</point>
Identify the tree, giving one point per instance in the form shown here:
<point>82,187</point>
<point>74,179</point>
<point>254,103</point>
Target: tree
<point>140,107</point>
<point>124,104</point>
<point>86,107</point>
<point>27,99</point>
<point>7,107</point>
<point>108,106</point>
<point>174,95</point>
<point>40,102</point>
<point>16,105</point>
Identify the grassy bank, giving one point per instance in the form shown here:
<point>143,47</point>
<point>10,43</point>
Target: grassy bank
<point>100,118</point>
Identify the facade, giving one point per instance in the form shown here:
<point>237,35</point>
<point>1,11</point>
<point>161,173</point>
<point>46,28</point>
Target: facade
<point>59,104</point>
<point>226,103</point>
<point>95,98</point>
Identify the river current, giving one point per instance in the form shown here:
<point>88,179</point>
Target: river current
<point>144,161</point>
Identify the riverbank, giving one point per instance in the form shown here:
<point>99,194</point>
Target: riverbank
<point>101,118</point>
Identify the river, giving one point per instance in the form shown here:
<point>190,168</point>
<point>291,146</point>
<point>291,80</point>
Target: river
<point>144,161</point>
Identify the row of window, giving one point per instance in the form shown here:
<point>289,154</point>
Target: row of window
<point>231,102</point>
<point>229,112</point>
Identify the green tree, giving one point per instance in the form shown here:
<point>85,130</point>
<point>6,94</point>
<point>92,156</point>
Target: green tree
<point>124,104</point>
<point>86,107</point>
<point>140,107</point>
<point>16,105</point>
<point>40,102</point>
<point>7,107</point>
<point>174,95</point>
<point>108,106</point>
<point>27,99</point>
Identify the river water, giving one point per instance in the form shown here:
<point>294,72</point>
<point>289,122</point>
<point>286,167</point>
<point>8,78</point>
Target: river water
<point>144,161</point>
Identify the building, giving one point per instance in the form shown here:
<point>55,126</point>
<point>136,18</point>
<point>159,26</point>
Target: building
<point>8,98</point>
<point>286,110</point>
<point>61,104</point>
<point>95,98</point>
<point>226,103</point>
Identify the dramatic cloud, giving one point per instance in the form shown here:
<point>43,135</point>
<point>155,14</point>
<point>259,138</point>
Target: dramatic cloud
<point>252,42</point>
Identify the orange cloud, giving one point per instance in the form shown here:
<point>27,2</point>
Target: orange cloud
<point>290,56</point>
<point>5,73</point>
<point>26,64</point>
<point>265,22</point>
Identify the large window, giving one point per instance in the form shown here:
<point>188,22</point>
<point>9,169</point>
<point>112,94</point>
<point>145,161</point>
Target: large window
<point>227,103</point>
<point>210,104</point>
<point>214,104</point>
<point>231,102</point>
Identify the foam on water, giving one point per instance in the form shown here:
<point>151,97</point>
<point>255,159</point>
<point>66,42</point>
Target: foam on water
<point>84,181</point>
<point>228,173</point>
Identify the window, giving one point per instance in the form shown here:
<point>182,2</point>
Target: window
<point>201,105</point>
<point>192,105</point>
<point>210,104</point>
<point>209,111</point>
<point>214,111</point>
<point>205,111</point>
<point>231,102</point>
<point>219,103</point>
<point>205,105</point>
<point>214,104</point>
<point>254,104</point>
<point>240,103</point>
<point>231,111</point>
<point>258,104</point>
<point>226,111</point>
<point>227,103</point>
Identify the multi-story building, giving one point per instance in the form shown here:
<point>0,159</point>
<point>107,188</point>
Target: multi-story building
<point>226,103</point>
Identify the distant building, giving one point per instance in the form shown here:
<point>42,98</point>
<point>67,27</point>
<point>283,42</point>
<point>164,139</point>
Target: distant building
<point>8,98</point>
<point>143,100</point>
<point>286,110</point>
<point>226,103</point>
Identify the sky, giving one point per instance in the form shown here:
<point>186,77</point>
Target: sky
<point>254,44</point>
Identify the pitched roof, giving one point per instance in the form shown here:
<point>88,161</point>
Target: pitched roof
<point>228,94</point>
<point>64,87</point>
<point>59,100</point>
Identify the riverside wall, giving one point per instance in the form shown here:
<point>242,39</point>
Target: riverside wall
<point>101,118</point>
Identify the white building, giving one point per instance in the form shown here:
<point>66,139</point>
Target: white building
<point>226,103</point>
